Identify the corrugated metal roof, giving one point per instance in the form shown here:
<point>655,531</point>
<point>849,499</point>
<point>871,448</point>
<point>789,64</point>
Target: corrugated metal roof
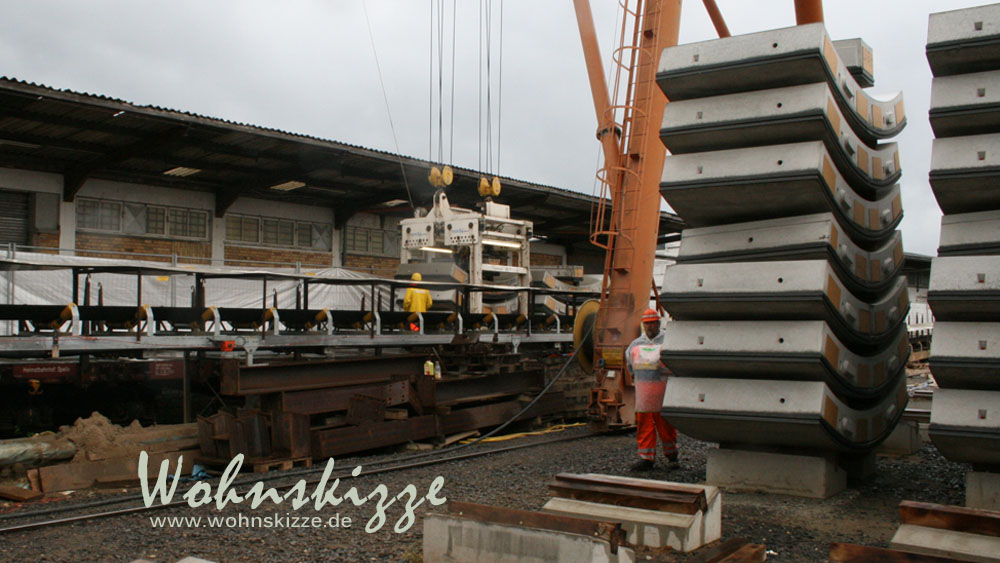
<point>87,134</point>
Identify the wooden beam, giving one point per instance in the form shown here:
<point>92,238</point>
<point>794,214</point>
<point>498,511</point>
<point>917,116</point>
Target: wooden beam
<point>224,199</point>
<point>954,518</point>
<point>851,553</point>
<point>75,177</point>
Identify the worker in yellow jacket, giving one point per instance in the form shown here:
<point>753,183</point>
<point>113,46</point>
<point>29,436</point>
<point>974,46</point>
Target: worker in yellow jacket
<point>417,300</point>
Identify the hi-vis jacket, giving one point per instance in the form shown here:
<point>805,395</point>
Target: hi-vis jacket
<point>417,300</point>
<point>644,357</point>
<point>644,361</point>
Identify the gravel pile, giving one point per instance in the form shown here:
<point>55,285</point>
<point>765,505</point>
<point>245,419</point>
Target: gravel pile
<point>793,529</point>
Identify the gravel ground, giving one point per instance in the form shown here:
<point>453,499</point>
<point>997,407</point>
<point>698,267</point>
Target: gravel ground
<point>793,529</point>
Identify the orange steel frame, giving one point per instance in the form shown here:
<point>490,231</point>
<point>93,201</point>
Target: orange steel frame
<point>634,158</point>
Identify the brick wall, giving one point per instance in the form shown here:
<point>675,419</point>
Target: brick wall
<point>260,257</point>
<point>545,259</point>
<point>376,265</point>
<point>47,240</point>
<point>110,246</point>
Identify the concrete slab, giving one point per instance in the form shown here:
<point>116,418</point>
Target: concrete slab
<point>800,475</point>
<point>964,173</point>
<point>970,233</point>
<point>965,288</point>
<point>857,57</point>
<point>965,104</point>
<point>787,290</point>
<point>966,355</point>
<point>651,528</point>
<point>770,182</point>
<point>450,538</point>
<point>713,498</point>
<point>904,440</point>
<point>793,350</point>
<point>777,58</point>
<point>794,414</point>
<point>806,237</point>
<point>982,490</point>
<point>946,543</point>
<point>781,115</point>
<point>963,41</point>
<point>965,425</point>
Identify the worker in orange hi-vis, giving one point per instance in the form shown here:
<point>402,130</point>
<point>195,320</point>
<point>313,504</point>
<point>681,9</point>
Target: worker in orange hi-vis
<point>650,384</point>
<point>416,300</point>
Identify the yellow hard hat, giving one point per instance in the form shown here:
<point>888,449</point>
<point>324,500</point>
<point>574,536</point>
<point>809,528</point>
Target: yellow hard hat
<point>416,276</point>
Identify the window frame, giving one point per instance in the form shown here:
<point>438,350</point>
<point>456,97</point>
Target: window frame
<point>120,228</point>
<point>315,244</point>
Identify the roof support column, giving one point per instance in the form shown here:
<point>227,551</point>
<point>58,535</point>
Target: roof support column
<point>218,234</point>
<point>67,226</point>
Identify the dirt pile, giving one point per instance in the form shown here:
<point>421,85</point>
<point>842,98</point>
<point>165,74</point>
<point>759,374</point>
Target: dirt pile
<point>96,438</point>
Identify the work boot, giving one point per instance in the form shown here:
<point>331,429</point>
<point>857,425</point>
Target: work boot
<point>673,461</point>
<point>643,465</point>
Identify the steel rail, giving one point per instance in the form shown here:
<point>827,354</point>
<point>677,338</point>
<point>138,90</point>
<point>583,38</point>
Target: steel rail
<point>347,474</point>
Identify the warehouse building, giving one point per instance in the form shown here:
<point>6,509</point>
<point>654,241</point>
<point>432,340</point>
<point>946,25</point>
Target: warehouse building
<point>93,176</point>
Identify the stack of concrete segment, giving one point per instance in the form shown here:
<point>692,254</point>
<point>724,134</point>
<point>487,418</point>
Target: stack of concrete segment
<point>963,48</point>
<point>789,309</point>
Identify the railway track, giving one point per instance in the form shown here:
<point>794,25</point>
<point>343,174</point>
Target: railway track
<point>409,462</point>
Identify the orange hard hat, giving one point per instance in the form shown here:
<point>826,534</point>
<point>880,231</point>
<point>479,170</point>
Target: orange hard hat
<point>650,316</point>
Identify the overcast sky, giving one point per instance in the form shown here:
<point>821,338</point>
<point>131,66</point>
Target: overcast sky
<point>308,67</point>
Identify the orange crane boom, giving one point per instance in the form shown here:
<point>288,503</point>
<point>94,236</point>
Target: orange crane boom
<point>634,157</point>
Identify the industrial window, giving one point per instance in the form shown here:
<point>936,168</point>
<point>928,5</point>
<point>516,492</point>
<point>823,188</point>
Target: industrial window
<point>242,229</point>
<point>140,219</point>
<point>98,215</point>
<point>316,236</point>
<point>156,220</point>
<point>279,232</point>
<point>378,242</point>
<point>187,223</point>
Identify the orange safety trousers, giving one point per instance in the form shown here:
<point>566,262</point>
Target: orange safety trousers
<point>648,424</point>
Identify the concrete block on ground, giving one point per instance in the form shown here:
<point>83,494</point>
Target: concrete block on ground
<point>652,528</point>
<point>783,473</point>
<point>982,490</point>
<point>946,543</point>
<point>904,440</point>
<point>449,538</point>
